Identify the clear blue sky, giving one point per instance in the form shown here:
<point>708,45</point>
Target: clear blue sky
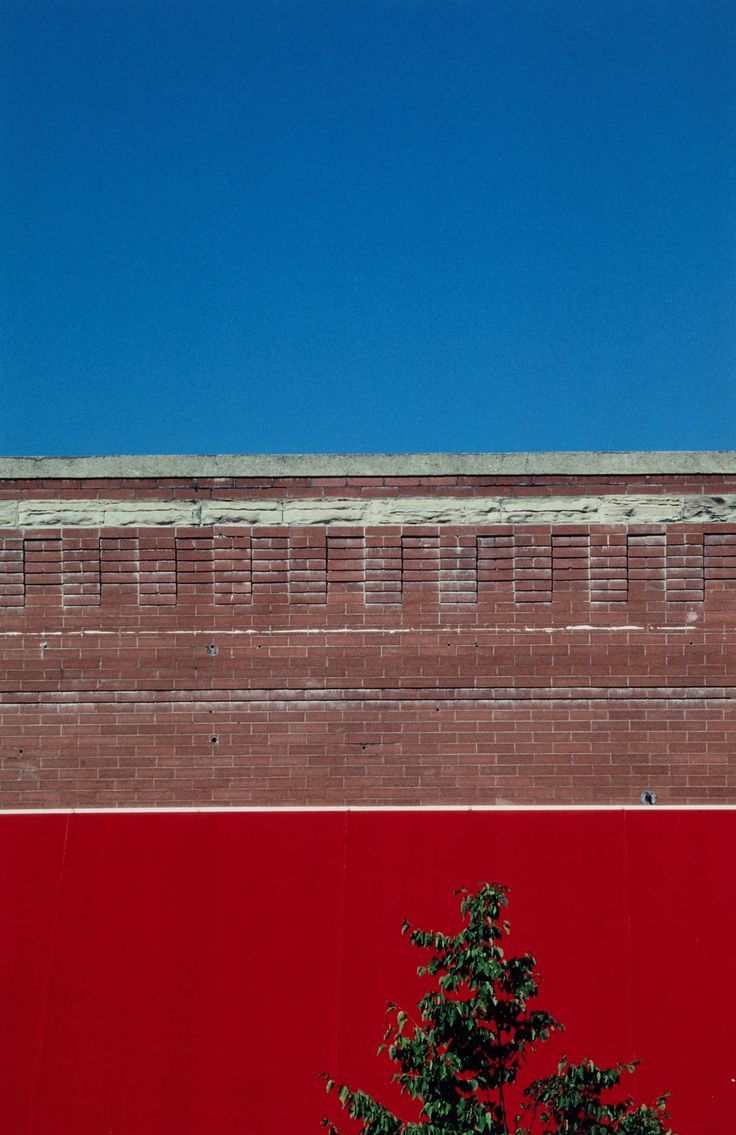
<point>367,225</point>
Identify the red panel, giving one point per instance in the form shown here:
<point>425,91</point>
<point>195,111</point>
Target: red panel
<point>32,857</point>
<point>193,973</point>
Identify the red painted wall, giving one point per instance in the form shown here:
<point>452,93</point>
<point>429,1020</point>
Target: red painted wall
<point>193,973</point>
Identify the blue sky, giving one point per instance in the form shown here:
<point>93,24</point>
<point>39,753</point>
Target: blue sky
<point>367,225</point>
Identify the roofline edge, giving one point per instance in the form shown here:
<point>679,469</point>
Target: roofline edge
<point>367,465</point>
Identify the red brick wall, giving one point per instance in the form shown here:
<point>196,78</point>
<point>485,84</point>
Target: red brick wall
<point>460,485</point>
<point>530,663</point>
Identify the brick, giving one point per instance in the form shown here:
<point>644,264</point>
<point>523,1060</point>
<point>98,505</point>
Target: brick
<point>386,665</point>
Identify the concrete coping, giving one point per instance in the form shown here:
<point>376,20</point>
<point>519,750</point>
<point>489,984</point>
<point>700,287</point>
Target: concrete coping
<point>367,465</point>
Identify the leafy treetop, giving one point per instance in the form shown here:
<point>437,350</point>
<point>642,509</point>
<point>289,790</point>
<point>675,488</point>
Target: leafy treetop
<point>470,1041</point>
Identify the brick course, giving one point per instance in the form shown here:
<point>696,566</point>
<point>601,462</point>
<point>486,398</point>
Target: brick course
<point>368,664</point>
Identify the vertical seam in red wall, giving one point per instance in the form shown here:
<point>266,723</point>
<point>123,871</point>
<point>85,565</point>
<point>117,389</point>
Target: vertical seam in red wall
<point>43,1018</point>
<point>342,923</point>
<point>629,937</point>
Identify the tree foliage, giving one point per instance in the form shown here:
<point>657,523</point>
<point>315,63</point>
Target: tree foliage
<point>468,1046</point>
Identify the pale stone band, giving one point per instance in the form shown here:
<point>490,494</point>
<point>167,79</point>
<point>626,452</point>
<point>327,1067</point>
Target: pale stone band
<point>369,512</point>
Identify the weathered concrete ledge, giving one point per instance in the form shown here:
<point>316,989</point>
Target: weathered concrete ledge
<point>369,512</point>
<point>368,465</point>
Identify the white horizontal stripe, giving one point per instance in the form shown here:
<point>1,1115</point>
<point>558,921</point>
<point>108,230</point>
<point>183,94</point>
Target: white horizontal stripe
<point>345,808</point>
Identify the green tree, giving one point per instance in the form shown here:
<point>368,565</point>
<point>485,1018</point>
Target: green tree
<point>468,1045</point>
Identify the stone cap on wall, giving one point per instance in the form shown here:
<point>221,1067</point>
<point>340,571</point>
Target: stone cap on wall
<point>576,463</point>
